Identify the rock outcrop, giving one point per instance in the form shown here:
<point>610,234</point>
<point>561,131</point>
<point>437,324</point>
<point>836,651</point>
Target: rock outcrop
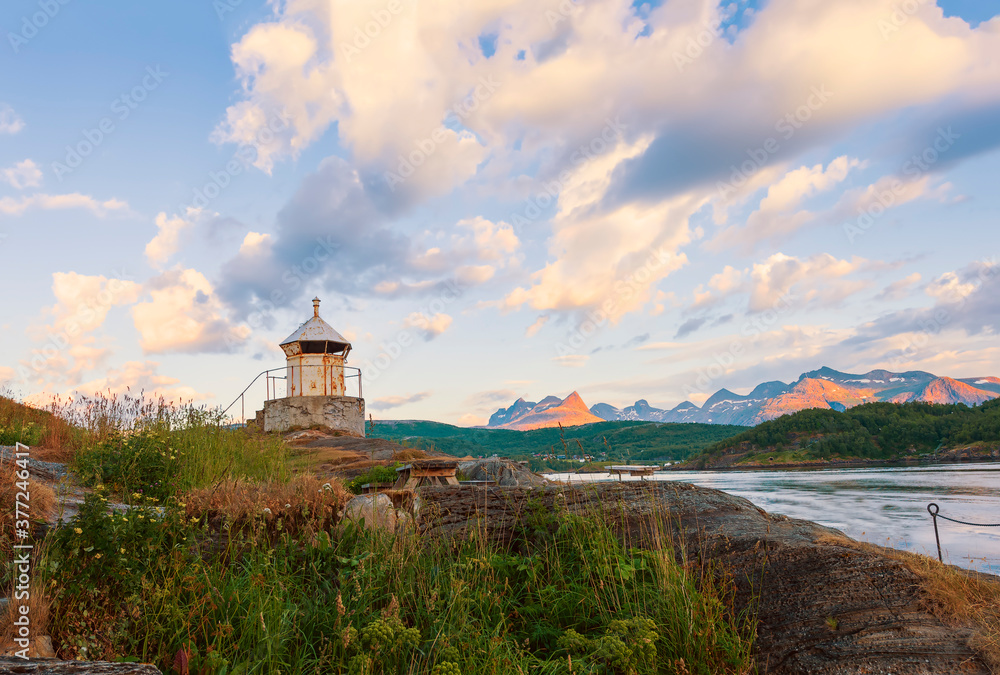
<point>15,666</point>
<point>377,511</point>
<point>824,603</point>
<point>503,472</point>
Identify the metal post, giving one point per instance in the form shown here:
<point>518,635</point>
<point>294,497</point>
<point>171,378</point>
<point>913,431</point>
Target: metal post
<point>934,511</point>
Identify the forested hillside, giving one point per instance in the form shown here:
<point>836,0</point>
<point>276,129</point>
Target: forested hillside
<point>618,441</point>
<point>871,431</point>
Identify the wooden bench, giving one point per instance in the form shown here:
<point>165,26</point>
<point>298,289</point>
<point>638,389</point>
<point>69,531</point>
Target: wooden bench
<point>426,472</point>
<point>633,470</point>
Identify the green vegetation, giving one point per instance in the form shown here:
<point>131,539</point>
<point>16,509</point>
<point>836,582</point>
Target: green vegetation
<point>870,431</point>
<point>224,562</point>
<point>565,597</point>
<point>376,474</point>
<point>618,441</point>
<point>159,451</point>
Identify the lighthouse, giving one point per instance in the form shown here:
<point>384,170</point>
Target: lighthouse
<point>316,375</point>
<point>315,354</point>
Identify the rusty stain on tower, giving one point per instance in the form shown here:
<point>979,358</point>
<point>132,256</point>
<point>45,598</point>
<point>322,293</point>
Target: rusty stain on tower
<point>315,356</point>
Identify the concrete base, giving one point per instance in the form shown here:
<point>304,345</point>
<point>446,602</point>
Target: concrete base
<point>341,413</point>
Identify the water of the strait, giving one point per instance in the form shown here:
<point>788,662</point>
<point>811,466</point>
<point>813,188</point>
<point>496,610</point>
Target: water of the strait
<point>886,505</point>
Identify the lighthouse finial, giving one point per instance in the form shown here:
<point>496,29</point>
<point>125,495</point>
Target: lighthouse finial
<point>316,307</point>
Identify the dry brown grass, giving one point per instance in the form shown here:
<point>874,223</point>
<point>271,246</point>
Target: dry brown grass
<point>409,454</point>
<point>38,615</point>
<point>42,503</point>
<point>305,504</point>
<point>58,439</point>
<point>953,594</point>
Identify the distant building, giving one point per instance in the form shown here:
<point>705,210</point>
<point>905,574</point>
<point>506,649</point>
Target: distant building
<point>316,358</point>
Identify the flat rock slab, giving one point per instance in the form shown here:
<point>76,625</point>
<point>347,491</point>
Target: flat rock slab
<point>804,574</point>
<point>15,666</point>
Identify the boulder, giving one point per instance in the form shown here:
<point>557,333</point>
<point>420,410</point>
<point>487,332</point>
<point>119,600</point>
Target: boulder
<point>16,666</point>
<point>501,472</point>
<point>377,511</point>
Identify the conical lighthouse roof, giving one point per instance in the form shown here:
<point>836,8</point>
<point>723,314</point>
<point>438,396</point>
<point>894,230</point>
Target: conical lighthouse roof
<point>318,330</point>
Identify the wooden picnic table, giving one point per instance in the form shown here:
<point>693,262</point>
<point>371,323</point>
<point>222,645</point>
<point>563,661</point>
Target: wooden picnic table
<point>426,472</point>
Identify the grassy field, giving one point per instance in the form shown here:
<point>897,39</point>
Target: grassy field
<point>229,562</point>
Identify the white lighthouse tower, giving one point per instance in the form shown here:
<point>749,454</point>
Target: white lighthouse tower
<point>316,355</point>
<point>315,375</point>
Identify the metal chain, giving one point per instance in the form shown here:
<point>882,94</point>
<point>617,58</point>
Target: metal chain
<point>962,522</point>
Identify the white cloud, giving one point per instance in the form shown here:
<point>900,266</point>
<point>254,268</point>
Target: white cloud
<point>607,260</point>
<point>22,175</point>
<point>15,207</point>
<point>572,360</point>
<point>184,315</point>
<point>819,278</point>
<point>68,347</point>
<point>10,122</point>
<point>430,326</point>
<point>899,289</point>
<point>724,283</point>
<point>389,402</point>
<point>168,236</point>
<point>134,378</point>
<point>559,83</point>
<point>778,215</point>
<point>83,301</point>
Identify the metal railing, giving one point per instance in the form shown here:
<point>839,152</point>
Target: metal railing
<point>271,385</point>
<point>934,509</point>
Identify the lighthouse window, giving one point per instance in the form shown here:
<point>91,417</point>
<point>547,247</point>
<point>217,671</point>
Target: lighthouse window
<point>314,347</point>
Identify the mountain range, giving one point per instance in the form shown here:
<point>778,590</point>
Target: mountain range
<point>823,388</point>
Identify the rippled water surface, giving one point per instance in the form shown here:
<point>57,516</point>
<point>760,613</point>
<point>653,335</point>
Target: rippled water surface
<point>886,506</point>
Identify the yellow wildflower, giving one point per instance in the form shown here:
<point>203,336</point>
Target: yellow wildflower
<point>78,530</point>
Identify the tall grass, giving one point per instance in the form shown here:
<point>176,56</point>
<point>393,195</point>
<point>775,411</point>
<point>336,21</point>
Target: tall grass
<point>158,447</point>
<point>566,597</point>
<point>226,563</point>
<point>55,437</point>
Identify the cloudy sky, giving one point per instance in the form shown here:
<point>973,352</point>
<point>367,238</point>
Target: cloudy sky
<point>497,198</point>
